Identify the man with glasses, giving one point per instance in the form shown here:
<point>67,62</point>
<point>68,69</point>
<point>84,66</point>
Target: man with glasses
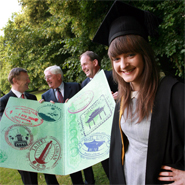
<point>60,92</point>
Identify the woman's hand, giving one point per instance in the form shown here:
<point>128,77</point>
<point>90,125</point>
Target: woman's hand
<point>178,176</point>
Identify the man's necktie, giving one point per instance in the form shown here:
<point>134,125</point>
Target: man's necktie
<point>59,96</point>
<point>22,95</point>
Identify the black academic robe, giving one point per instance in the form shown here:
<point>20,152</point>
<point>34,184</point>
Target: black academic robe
<point>166,135</point>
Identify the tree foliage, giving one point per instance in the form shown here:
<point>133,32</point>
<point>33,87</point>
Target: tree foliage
<point>50,32</point>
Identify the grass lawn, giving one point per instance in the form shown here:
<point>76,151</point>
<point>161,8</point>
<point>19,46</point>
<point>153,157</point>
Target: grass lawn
<point>12,177</point>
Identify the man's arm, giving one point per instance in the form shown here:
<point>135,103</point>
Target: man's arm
<point>3,102</point>
<point>79,87</point>
<point>32,97</point>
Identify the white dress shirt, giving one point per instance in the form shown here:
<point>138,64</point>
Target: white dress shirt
<point>17,93</point>
<point>61,87</point>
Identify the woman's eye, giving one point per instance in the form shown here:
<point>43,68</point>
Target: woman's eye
<point>115,59</point>
<point>131,54</point>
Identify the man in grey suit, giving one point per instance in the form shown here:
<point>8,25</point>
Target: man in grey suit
<point>60,92</point>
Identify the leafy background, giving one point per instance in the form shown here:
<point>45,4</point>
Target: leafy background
<point>50,32</point>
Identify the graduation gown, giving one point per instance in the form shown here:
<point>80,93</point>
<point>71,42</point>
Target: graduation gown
<point>166,135</point>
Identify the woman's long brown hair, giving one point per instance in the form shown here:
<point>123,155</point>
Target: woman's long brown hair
<point>150,75</point>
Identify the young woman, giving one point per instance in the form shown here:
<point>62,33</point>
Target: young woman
<point>148,126</point>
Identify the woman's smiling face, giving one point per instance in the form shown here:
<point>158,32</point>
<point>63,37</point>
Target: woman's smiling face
<point>129,66</point>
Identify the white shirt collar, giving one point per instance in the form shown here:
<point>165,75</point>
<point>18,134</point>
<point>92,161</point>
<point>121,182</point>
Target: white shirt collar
<point>61,86</point>
<point>17,93</point>
<point>134,94</point>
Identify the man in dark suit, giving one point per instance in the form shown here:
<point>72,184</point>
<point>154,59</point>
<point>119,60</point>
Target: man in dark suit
<point>91,65</point>
<point>60,92</point>
<point>19,80</point>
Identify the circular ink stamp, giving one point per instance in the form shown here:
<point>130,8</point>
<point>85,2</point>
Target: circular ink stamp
<point>81,102</point>
<point>19,137</point>
<point>94,146</point>
<point>3,156</point>
<point>23,115</point>
<point>44,153</point>
<point>49,112</point>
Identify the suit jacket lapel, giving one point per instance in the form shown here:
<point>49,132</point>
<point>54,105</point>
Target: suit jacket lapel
<point>52,95</point>
<point>11,94</point>
<point>67,91</point>
<point>88,80</point>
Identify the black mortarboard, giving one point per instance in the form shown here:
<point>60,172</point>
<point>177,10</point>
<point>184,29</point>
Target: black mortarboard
<point>123,19</point>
